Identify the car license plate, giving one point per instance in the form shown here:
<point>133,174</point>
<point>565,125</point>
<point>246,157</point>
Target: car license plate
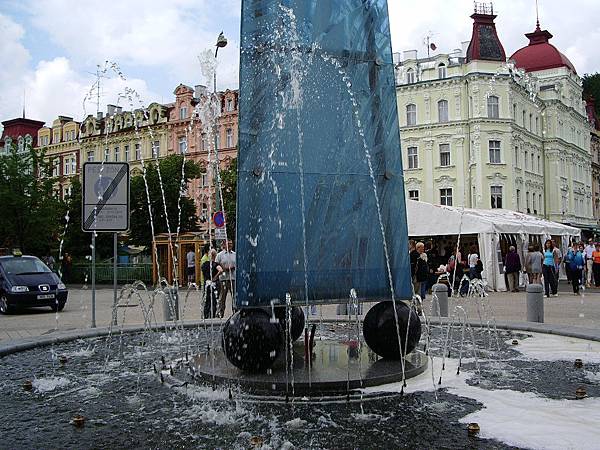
<point>45,296</point>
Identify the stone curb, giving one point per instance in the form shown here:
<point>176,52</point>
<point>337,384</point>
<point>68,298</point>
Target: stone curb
<point>20,345</point>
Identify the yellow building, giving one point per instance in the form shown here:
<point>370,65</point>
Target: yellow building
<point>60,142</point>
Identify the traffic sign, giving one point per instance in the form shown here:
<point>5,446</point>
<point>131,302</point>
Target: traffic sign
<point>105,197</point>
<point>220,234</point>
<point>219,219</point>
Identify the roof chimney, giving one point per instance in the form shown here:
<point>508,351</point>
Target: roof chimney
<point>485,44</point>
<point>110,110</point>
<point>99,115</point>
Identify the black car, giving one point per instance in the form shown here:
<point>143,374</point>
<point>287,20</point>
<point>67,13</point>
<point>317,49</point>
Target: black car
<point>25,281</point>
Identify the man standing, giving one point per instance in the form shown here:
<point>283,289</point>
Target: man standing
<point>512,265</point>
<point>589,262</point>
<point>191,266</point>
<point>226,259</point>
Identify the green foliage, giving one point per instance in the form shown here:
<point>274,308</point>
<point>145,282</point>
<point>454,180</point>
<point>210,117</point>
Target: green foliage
<point>170,172</point>
<point>77,242</point>
<point>32,217</point>
<point>229,187</point>
<point>591,88</point>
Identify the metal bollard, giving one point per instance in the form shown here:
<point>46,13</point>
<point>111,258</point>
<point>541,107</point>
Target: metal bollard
<point>170,304</point>
<point>535,303</point>
<point>441,292</point>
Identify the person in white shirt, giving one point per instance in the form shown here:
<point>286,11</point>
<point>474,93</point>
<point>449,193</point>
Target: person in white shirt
<point>589,262</point>
<point>226,259</point>
<point>191,266</point>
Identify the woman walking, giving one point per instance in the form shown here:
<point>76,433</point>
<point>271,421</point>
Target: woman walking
<point>533,264</point>
<point>549,269</point>
<point>576,268</point>
<point>596,265</point>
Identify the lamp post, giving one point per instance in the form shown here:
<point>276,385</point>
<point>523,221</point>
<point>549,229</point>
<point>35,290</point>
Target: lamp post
<point>221,43</point>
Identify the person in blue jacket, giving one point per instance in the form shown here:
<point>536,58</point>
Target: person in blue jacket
<point>576,264</point>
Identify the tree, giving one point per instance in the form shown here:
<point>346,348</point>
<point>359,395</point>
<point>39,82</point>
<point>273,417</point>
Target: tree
<point>229,187</point>
<point>591,88</point>
<point>76,241</point>
<point>32,216</point>
<point>170,173</point>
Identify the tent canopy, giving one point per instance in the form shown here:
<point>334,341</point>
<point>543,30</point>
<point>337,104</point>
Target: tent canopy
<point>425,219</point>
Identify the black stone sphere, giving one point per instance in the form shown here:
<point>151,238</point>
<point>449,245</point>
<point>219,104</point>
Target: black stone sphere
<point>379,329</point>
<point>297,321</point>
<point>251,341</point>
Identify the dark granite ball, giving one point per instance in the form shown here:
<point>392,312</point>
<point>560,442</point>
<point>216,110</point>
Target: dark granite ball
<point>379,329</point>
<point>297,321</point>
<point>251,341</point>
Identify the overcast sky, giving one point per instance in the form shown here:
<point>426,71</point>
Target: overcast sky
<point>49,49</point>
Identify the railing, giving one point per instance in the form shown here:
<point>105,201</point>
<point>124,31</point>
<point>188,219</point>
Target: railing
<point>126,273</point>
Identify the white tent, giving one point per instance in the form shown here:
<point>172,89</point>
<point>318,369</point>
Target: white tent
<point>425,219</point>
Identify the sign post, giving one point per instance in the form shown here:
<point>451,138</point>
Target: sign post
<point>105,209</point>
<point>219,221</point>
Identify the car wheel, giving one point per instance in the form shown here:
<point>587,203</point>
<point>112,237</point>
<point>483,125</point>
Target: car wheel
<point>59,307</point>
<point>5,308</point>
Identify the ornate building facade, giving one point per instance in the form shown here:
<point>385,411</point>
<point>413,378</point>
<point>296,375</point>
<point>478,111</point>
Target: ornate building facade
<point>480,132</point>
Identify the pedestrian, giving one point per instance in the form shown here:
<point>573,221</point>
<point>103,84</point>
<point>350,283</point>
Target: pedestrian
<point>512,264</point>
<point>65,269</point>
<point>596,265</point>
<point>576,268</point>
<point>205,250</point>
<point>473,260</point>
<point>533,264</point>
<point>589,262</point>
<point>49,261</point>
<point>549,269</point>
<point>558,256</point>
<point>568,258</point>
<point>421,271</point>
<point>212,286</point>
<point>191,266</point>
<point>226,259</point>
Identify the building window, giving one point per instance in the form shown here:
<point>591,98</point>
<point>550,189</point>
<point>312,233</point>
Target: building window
<point>229,105</point>
<point>56,137</point>
<point>540,205</point>
<point>410,76</point>
<point>533,197</point>
<point>446,197</point>
<point>90,156</point>
<point>442,71</point>
<point>524,119</point>
<point>183,113</point>
<point>229,137</point>
<point>413,158</point>
<point>527,202</point>
<point>74,165</point>
<point>155,149</point>
<point>530,122</point>
<point>518,199</point>
<point>413,195</point>
<point>443,111</point>
<point>138,152</point>
<point>66,166</point>
<point>117,154</point>
<point>496,194</point>
<point>493,107</point>
<point>495,157</point>
<point>204,180</point>
<point>106,154</point>
<point>218,141</point>
<point>515,112</point>
<point>182,145</point>
<point>444,155</point>
<point>516,156</point>
<point>204,142</point>
<point>537,125</point>
<point>539,164</point>
<point>56,167</point>
<point>127,153</point>
<point>411,115</point>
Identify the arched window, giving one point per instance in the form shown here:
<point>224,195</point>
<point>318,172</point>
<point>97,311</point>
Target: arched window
<point>411,115</point>
<point>493,106</point>
<point>442,71</point>
<point>443,111</point>
<point>410,76</point>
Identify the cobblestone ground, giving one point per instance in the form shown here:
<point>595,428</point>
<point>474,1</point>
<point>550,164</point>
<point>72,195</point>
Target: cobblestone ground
<point>566,309</point>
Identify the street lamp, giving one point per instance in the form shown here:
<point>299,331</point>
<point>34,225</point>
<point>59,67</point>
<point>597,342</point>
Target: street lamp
<point>221,43</point>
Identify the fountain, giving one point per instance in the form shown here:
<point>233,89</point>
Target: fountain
<point>321,222</point>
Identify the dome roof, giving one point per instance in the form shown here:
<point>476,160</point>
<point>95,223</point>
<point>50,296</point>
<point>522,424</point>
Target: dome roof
<point>540,54</point>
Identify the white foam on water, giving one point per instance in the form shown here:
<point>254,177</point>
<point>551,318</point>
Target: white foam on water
<point>549,347</point>
<point>90,392</point>
<point>81,353</point>
<point>43,385</point>
<point>296,423</point>
<point>593,377</point>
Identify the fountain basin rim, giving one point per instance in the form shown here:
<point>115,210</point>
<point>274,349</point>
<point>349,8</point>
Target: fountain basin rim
<point>60,337</point>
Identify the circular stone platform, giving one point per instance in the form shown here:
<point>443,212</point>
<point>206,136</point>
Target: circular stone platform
<point>336,369</point>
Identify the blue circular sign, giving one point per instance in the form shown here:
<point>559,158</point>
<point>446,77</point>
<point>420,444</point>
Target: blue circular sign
<point>101,186</point>
<point>219,219</point>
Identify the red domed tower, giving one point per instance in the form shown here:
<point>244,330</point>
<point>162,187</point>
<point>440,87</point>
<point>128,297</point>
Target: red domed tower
<point>540,54</point>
